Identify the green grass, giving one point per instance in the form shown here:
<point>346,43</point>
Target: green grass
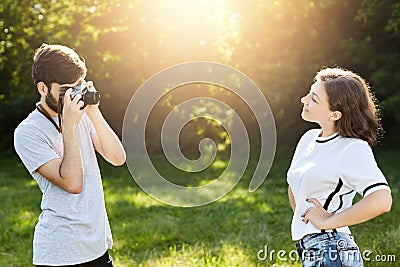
<point>229,232</point>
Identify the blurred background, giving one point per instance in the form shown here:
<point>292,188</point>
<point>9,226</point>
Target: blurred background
<point>280,45</point>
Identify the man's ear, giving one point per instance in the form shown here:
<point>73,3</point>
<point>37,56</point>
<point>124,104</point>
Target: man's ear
<point>335,116</point>
<point>42,88</point>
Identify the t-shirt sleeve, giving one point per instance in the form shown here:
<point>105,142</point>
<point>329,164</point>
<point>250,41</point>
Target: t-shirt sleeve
<point>359,169</point>
<point>32,148</point>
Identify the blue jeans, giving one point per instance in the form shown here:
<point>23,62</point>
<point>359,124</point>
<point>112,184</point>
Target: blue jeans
<point>329,249</point>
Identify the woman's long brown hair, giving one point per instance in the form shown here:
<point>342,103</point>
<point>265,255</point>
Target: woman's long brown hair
<point>350,94</point>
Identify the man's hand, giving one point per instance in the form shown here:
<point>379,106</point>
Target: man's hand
<point>72,112</point>
<point>91,109</point>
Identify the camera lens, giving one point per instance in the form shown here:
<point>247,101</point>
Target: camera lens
<point>91,98</point>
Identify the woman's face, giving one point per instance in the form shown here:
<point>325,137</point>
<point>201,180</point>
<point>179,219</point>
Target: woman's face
<point>316,106</point>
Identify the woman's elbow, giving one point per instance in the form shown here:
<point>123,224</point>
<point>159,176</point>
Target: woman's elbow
<point>388,203</point>
<point>385,201</point>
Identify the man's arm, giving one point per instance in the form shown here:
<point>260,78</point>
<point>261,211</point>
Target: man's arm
<point>106,142</point>
<point>67,172</point>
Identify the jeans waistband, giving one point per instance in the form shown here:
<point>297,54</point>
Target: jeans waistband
<point>313,239</point>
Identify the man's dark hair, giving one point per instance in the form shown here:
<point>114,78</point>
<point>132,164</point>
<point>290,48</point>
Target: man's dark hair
<point>57,64</point>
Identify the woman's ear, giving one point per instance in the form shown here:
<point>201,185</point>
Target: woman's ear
<point>335,116</point>
<point>42,88</point>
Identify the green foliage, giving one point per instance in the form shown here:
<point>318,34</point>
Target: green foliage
<point>23,28</point>
<point>278,44</point>
<point>380,25</point>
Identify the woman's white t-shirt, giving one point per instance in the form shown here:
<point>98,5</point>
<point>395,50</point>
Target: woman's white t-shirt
<point>331,169</point>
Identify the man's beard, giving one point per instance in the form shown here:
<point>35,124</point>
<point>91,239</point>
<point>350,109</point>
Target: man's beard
<point>52,102</point>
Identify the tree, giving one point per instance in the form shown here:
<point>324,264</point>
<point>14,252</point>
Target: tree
<point>381,38</point>
<point>23,28</point>
<point>278,44</point>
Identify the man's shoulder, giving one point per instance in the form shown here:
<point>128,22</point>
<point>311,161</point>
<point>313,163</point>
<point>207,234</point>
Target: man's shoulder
<point>34,125</point>
<point>30,123</point>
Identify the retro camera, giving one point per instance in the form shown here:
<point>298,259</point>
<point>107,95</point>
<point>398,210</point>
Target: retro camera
<point>88,97</point>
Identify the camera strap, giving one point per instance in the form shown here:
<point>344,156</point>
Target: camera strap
<point>47,115</point>
<point>59,111</point>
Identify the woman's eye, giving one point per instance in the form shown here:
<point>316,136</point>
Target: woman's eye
<point>313,100</point>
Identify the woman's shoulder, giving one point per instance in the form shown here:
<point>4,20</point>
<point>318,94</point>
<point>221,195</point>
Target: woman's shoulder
<point>349,142</point>
<point>311,134</point>
<point>308,137</point>
<point>354,148</point>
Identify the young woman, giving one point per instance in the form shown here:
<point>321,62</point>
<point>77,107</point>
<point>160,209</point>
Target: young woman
<point>333,163</point>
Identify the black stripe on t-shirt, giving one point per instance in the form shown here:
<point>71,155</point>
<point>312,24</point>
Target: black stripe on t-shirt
<point>341,200</point>
<point>331,195</point>
<point>372,186</point>
<point>327,140</point>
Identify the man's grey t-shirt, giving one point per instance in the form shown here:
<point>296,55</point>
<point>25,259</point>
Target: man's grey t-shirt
<point>72,228</point>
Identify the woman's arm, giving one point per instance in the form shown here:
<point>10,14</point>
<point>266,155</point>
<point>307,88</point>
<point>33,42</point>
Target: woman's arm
<point>369,207</point>
<point>291,199</point>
